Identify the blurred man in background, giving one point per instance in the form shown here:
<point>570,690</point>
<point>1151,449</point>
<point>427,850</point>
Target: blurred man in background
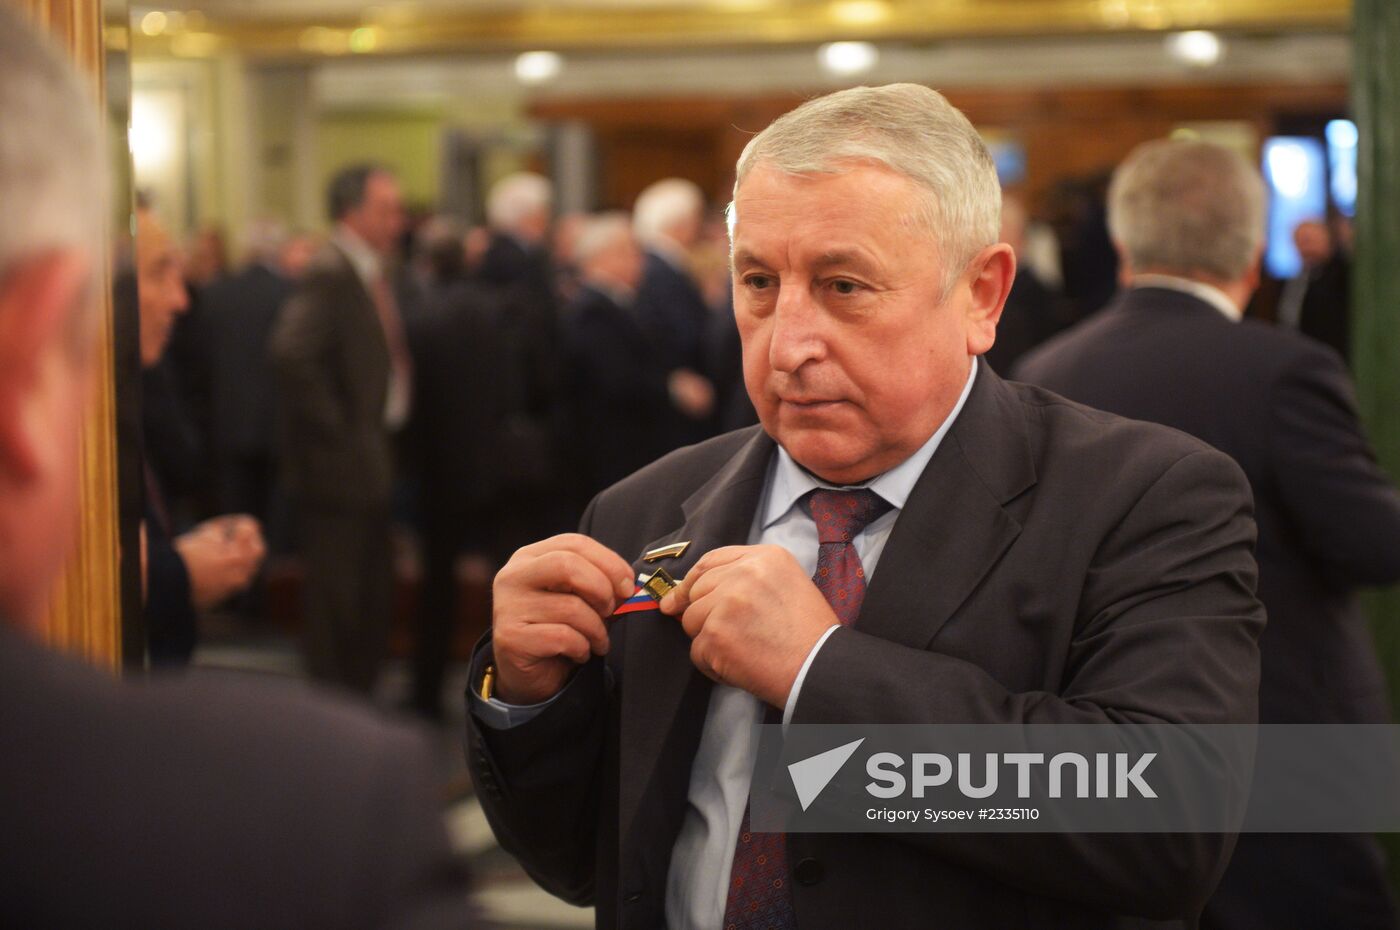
<point>198,569</point>
<point>1317,300</point>
<point>1188,222</point>
<point>240,313</point>
<point>668,219</point>
<point>345,380</point>
<point>620,384</point>
<point>206,802</point>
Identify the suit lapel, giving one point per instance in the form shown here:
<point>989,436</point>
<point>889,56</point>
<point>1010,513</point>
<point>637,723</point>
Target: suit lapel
<point>954,527</point>
<point>664,698</point>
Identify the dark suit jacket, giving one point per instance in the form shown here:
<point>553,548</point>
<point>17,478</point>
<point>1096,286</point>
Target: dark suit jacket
<point>213,803</point>
<point>333,368</point>
<point>1053,564</point>
<point>240,312</point>
<point>617,393</point>
<point>1282,407</point>
<point>1329,520</point>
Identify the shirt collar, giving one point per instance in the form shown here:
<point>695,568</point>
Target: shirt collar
<point>1198,289</point>
<point>362,258</point>
<point>791,481</point>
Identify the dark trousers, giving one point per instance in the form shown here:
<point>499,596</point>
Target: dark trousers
<point>348,594</point>
<point>1303,881</point>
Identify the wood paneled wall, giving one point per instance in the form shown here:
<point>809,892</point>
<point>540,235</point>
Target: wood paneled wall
<point>1067,132</point>
<point>84,615</point>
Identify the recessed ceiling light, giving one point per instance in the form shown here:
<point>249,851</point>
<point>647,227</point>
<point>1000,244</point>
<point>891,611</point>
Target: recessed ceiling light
<point>538,67</point>
<point>1197,48</point>
<point>848,58</point>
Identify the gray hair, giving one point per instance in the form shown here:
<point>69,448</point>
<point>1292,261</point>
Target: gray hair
<point>1187,207</point>
<point>664,204</point>
<point>600,232</point>
<point>516,197</point>
<point>52,169</point>
<point>909,129</point>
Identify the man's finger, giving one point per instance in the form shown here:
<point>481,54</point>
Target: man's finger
<point>679,598</point>
<point>568,610</point>
<point>568,572</point>
<point>614,566</point>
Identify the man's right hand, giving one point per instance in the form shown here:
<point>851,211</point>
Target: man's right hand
<point>549,604</point>
<point>221,555</point>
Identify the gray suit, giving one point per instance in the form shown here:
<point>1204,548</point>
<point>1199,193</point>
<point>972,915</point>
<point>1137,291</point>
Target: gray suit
<point>1053,564</point>
<point>213,803</point>
<point>333,367</point>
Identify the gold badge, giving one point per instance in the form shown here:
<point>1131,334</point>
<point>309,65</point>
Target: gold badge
<point>673,551</point>
<point>659,583</point>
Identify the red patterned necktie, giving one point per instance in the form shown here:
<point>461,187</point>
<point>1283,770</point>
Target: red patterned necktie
<point>759,896</point>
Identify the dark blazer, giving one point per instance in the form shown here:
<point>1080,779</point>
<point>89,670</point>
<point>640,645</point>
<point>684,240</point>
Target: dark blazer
<point>1281,405</point>
<point>240,312</point>
<point>211,802</point>
<point>1326,311</point>
<point>1053,564</point>
<point>673,310</point>
<point>332,363</point>
<point>617,392</point>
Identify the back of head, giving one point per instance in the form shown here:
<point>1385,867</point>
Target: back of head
<point>51,165</point>
<point>1188,208</point>
<point>517,201</point>
<point>668,209</point>
<point>909,129</point>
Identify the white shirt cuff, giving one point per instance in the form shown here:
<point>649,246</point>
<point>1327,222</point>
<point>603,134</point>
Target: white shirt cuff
<point>802,674</point>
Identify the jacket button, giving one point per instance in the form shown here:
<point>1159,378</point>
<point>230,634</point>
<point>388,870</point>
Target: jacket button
<point>808,872</point>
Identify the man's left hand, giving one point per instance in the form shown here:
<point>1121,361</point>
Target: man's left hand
<point>752,615</point>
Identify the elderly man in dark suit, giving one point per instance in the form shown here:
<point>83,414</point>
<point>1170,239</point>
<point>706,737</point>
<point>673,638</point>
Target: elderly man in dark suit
<point>616,382</point>
<point>906,539</point>
<point>345,385</point>
<point>204,802</point>
<point>668,219</point>
<point>1188,220</point>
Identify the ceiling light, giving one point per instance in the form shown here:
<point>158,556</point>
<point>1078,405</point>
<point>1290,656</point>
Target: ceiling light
<point>154,23</point>
<point>538,67</point>
<point>1197,48</point>
<point>848,58</point>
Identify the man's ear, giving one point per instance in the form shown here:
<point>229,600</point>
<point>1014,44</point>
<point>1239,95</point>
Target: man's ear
<point>988,279</point>
<point>37,299</point>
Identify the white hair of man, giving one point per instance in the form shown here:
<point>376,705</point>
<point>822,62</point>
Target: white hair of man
<point>51,153</point>
<point>665,205</point>
<point>1187,207</point>
<point>600,232</point>
<point>910,129</point>
<point>516,199</point>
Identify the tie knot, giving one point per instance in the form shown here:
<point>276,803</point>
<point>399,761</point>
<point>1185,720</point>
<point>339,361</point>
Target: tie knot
<point>840,515</point>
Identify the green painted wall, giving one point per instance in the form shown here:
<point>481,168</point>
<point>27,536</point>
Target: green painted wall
<point>407,142</point>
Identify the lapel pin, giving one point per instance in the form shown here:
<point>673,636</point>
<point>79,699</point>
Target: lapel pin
<point>651,589</point>
<point>673,551</point>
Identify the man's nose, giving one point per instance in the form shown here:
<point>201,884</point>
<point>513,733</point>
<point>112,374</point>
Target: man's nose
<point>798,335</point>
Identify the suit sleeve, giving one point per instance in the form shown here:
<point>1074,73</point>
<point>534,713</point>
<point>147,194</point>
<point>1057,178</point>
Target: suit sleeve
<point>1175,578</point>
<point>299,346</point>
<point>1344,508</point>
<point>540,782</point>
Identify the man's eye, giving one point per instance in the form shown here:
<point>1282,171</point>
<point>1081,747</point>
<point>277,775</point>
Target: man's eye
<point>758,281</point>
<point>842,286</point>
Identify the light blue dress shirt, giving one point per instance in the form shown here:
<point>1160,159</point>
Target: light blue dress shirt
<point>697,884</point>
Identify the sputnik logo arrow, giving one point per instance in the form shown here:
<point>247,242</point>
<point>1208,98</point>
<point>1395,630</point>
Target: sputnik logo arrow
<point>811,776</point>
